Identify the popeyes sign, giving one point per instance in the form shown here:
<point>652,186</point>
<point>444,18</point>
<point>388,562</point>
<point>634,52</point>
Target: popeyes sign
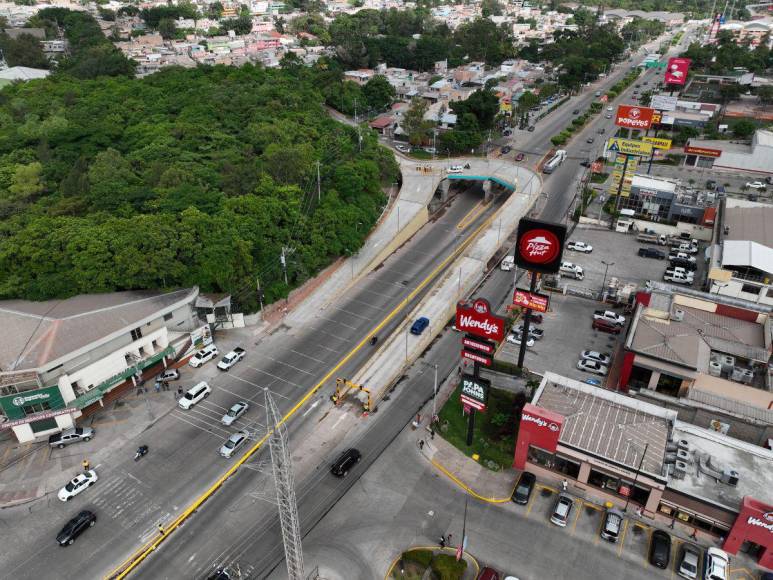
<point>477,319</point>
<point>634,117</point>
<point>540,245</point>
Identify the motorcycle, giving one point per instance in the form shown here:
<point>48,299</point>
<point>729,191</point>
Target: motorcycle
<point>141,451</point>
<point>466,165</point>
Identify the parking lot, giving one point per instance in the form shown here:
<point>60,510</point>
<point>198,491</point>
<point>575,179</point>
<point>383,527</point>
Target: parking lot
<point>585,522</point>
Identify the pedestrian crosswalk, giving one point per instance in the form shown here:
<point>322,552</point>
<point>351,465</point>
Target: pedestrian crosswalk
<point>127,500</point>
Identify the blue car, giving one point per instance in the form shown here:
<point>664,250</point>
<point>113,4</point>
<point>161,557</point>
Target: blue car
<point>594,382</point>
<point>420,324</point>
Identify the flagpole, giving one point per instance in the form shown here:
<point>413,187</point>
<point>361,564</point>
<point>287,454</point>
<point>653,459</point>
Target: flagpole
<point>463,543</point>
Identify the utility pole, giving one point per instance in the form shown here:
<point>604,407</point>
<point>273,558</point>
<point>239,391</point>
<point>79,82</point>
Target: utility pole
<point>260,294</point>
<point>283,260</point>
<point>319,185</point>
<point>359,134</point>
<point>281,462</point>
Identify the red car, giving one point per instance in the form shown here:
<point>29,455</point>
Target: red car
<point>519,157</point>
<point>605,326</point>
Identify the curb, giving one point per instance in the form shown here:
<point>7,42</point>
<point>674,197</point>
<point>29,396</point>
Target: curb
<point>468,489</point>
<point>467,556</point>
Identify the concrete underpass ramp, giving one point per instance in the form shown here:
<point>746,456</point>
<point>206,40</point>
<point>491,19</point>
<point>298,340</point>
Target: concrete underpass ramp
<point>407,215</point>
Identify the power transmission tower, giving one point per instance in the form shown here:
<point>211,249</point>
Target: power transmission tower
<point>285,490</point>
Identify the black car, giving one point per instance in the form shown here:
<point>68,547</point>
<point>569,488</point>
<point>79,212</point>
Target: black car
<point>686,264</point>
<point>522,491</point>
<point>75,527</point>
<point>660,549</point>
<point>506,149</point>
<point>345,462</point>
<point>651,253</point>
<point>576,112</point>
<point>531,128</point>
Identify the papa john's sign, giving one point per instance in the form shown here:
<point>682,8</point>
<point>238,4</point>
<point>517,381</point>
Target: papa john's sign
<point>634,117</point>
<point>476,318</point>
<point>540,245</point>
<point>539,427</point>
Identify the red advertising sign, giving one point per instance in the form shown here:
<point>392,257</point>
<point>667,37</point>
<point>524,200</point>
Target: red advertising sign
<point>476,318</point>
<point>676,71</point>
<point>539,427</point>
<point>487,347</point>
<point>525,299</point>
<point>702,151</point>
<point>473,404</point>
<point>539,245</point>
<point>475,357</point>
<point>634,117</point>
<point>754,524</point>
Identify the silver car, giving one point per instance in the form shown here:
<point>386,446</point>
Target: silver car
<point>232,445</point>
<point>71,436</point>
<point>563,509</point>
<point>688,564</point>
<point>597,356</point>
<point>236,411</point>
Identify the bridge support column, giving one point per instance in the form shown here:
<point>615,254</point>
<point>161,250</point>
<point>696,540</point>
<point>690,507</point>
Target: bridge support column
<point>487,193</point>
<point>444,186</point>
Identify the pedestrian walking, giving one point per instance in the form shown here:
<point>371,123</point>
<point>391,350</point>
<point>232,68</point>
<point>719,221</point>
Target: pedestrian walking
<point>85,463</point>
<point>431,433</point>
<point>158,387</point>
<point>442,541</point>
<point>448,540</point>
<point>421,444</point>
<point>179,392</point>
<point>694,534</point>
<point>160,529</point>
<point>564,484</point>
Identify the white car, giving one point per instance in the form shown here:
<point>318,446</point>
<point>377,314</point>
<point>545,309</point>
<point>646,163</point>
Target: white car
<point>455,169</point>
<point>77,484</point>
<point>755,185</point>
<point>591,366</point>
<point>403,148</point>
<point>516,339</point>
<point>231,359</point>
<point>610,108</point>
<point>206,354</point>
<point>595,355</point>
<point>232,445</point>
<point>715,564</point>
<point>579,247</point>
<point>236,411</point>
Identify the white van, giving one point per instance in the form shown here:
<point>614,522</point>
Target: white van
<point>194,395</point>
<point>508,263</point>
<point>206,354</point>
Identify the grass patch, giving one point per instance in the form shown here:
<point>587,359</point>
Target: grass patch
<point>494,433</point>
<point>420,154</point>
<point>447,568</point>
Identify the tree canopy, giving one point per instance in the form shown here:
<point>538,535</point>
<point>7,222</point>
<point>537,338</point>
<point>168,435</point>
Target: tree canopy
<point>186,177</point>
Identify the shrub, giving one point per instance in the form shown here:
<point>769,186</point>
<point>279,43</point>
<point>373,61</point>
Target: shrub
<point>447,568</point>
<point>420,557</point>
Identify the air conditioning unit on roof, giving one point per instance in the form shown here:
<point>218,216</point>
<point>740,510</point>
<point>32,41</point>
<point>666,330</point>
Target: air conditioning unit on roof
<point>677,315</point>
<point>680,469</point>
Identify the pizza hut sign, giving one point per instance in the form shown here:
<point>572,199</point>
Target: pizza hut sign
<point>476,318</point>
<point>539,245</point>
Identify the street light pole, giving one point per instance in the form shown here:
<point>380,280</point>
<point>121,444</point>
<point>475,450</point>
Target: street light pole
<point>434,397</point>
<point>606,268</point>
<point>636,477</point>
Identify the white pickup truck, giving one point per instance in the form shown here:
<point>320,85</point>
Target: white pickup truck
<point>609,316</point>
<point>231,359</point>
<point>678,276</point>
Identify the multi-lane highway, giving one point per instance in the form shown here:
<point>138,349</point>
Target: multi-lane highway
<point>239,524</point>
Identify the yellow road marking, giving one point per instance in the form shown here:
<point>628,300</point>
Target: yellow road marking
<point>471,215</point>
<point>577,517</point>
<point>449,550</point>
<point>532,499</point>
<point>622,537</point>
<point>139,555</point>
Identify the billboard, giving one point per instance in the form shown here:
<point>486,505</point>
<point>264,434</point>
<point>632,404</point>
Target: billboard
<point>702,151</point>
<point>658,143</point>
<point>539,427</point>
<point>484,346</point>
<point>531,300</point>
<point>629,146</point>
<point>474,392</point>
<point>634,117</point>
<point>676,71</point>
<point>477,357</point>
<point>539,246</point>
<point>663,102</point>
<point>477,319</point>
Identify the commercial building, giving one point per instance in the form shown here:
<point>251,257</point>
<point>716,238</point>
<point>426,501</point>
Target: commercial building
<point>741,261</point>
<point>636,454</point>
<point>664,200</point>
<point>756,156</point>
<point>60,359</point>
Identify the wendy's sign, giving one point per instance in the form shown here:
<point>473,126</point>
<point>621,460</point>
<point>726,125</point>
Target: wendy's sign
<point>476,318</point>
<point>540,245</point>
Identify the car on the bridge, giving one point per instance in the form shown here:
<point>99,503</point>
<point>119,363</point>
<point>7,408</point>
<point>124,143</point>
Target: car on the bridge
<point>75,527</point>
<point>591,366</point>
<point>419,325</point>
<point>579,247</point>
<point>755,185</point>
<point>455,169</point>
<point>236,411</point>
<point>345,462</point>
<point>77,484</point>
<point>71,436</point>
<point>234,442</point>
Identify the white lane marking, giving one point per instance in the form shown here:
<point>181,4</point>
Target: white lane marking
<point>273,376</point>
<point>275,393</point>
<point>310,357</point>
<point>311,407</point>
<point>341,418</point>
<point>337,322</point>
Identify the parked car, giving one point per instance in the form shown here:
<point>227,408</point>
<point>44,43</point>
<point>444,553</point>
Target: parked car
<point>419,325</point>
<point>531,128</point>
<point>715,564</point>
<point>236,411</point>
<point>508,263</point>
<point>573,270</point>
<point>609,316</point>
<point>75,527</point>
<point>755,185</point>
<point>613,524</point>
<point>605,326</point>
<point>591,366</point>
<point>579,247</point>
<point>651,253</point>
<point>77,484</point>
<point>234,442</point>
<point>562,510</point>
<point>688,561</point>
<point>660,549</point>
<point>522,491</point>
<point>516,339</point>
<point>168,375</point>
<point>488,574</point>
<point>576,112</point>
<point>589,140</point>
<point>345,462</point>
<point>535,333</point>
<point>73,435</point>
<point>231,358</point>
<point>206,354</point>
<point>194,395</point>
<point>686,264</point>
<point>403,148</point>
<point>711,185</point>
<point>597,356</point>
<point>519,157</point>
<point>536,318</point>
<point>506,149</point>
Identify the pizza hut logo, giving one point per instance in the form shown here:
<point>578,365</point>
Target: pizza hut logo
<point>539,246</point>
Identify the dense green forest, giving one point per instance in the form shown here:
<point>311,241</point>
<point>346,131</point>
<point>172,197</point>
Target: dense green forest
<point>186,177</point>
